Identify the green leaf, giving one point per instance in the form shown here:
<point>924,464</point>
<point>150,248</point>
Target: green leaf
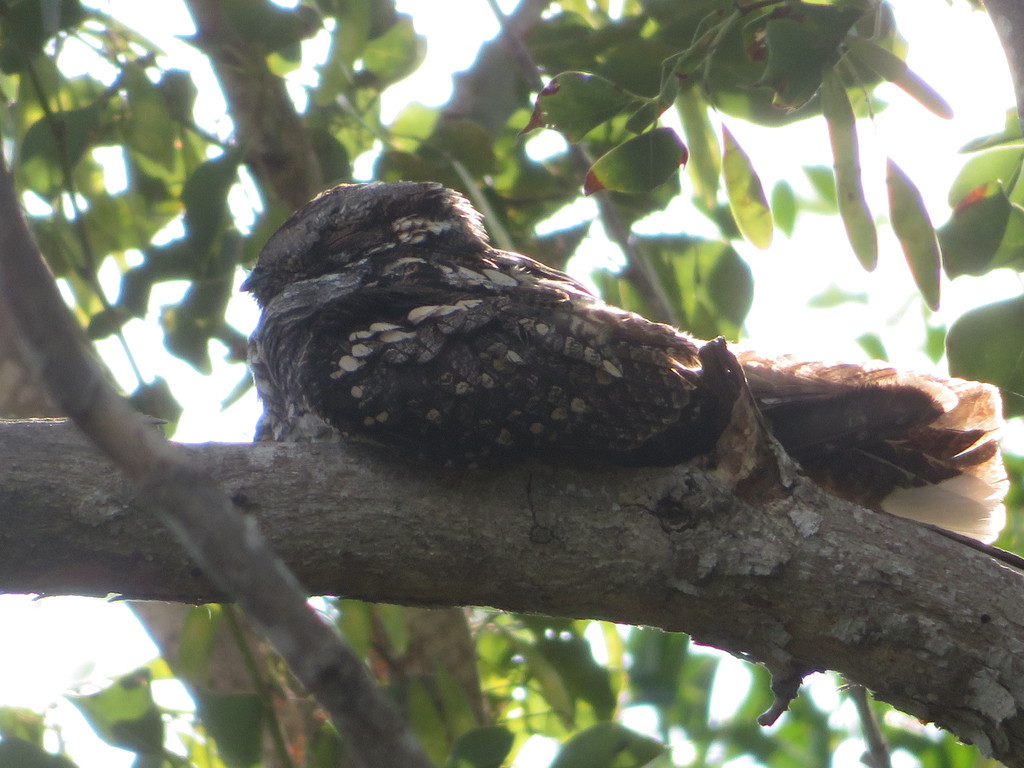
<point>28,24</point>
<point>573,103</point>
<point>985,345</point>
<point>148,127</point>
<point>746,195</point>
<point>634,60</point>
<point>646,116</point>
<point>705,163</point>
<point>802,41</point>
<point>833,296</point>
<point>853,208</point>
<point>1002,164</point>
<point>607,745</point>
<point>873,346</point>
<point>1010,253</point>
<point>61,139</point>
<point>205,196</point>
<point>191,323</point>
<point>915,232</point>
<point>638,165</point>
<point>973,233</point>
<point>271,27</point>
<point>235,721</point>
<point>569,653</point>
<point>707,279</point>
<point>426,719</point>
<point>20,723</point>
<point>895,70</point>
<point>179,93</point>
<point>356,622</point>
<point>1009,135</point>
<point>824,182</point>
<point>124,714</point>
<point>196,645</point>
<point>395,54</point>
<point>351,32</point>
<point>783,206</point>
<point>334,159</point>
<point>105,323</point>
<point>465,141</point>
<point>17,753</point>
<point>657,658</point>
<point>485,747</point>
<point>156,399</point>
<point>552,685</point>
<point>325,748</point>
<point>935,342</point>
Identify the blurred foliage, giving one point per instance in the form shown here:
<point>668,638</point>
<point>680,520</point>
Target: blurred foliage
<point>118,170</point>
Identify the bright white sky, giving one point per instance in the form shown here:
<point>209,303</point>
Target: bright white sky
<point>55,644</point>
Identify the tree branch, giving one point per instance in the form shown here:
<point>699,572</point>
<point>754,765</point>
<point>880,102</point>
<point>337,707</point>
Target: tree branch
<point>803,582</point>
<point>182,496</point>
<point>276,142</point>
<point>1008,18</point>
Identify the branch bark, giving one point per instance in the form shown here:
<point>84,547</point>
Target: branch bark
<point>1008,18</point>
<point>800,583</point>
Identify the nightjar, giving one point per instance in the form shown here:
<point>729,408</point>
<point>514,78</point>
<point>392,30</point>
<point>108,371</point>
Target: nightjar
<point>388,316</point>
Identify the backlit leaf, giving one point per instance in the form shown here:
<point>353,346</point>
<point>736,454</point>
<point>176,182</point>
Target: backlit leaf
<point>156,399</point>
<point>987,344</point>
<point>638,165</point>
<point>148,128</point>
<point>61,139</point>
<point>705,164</point>
<point>913,228</point>
<point>1002,164</point>
<point>746,195</point>
<point>124,714</point>
<point>973,233</point>
<point>205,196</point>
<point>783,205</point>
<point>235,721</point>
<point>607,745</point>
<point>17,753</point>
<point>485,747</point>
<point>894,69</point>
<point>873,346</point>
<point>853,208</point>
<point>573,103</point>
<point>802,41</point>
<point>395,54</point>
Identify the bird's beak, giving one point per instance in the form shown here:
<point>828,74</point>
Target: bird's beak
<point>251,283</point>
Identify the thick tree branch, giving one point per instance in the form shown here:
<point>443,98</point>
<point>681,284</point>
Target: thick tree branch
<point>800,583</point>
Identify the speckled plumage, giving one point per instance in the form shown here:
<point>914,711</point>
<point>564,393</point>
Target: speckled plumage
<point>388,316</point>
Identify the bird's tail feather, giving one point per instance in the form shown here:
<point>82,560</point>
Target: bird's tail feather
<point>910,444</point>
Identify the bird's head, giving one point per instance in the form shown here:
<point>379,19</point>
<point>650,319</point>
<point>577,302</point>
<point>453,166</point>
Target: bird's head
<point>352,222</point>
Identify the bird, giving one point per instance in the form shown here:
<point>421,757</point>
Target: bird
<point>388,316</point>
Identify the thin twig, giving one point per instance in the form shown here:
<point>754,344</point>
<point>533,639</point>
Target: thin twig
<point>499,234</point>
<point>88,271</point>
<point>877,747</point>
